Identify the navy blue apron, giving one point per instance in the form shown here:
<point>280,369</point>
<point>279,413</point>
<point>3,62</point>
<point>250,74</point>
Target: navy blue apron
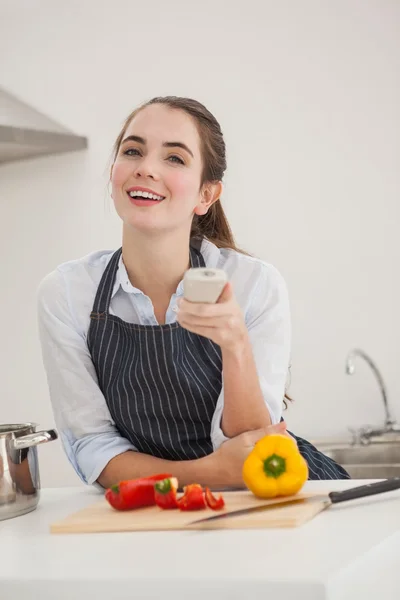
<point>161,383</point>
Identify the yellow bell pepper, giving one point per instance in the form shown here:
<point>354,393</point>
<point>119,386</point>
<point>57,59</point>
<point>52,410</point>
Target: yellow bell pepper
<point>275,467</point>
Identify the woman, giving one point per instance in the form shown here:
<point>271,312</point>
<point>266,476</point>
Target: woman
<point>141,380</point>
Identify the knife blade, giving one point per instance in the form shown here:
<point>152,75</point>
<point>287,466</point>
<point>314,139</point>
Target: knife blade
<point>361,491</point>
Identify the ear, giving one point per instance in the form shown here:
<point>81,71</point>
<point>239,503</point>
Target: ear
<point>210,193</point>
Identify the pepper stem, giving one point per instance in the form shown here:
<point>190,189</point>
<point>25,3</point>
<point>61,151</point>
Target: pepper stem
<point>164,486</point>
<point>274,466</point>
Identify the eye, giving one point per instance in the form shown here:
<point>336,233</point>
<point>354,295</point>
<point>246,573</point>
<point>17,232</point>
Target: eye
<point>132,152</point>
<point>176,159</point>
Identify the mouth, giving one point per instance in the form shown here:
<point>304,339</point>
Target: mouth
<point>144,197</point>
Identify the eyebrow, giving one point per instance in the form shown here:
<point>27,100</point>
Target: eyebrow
<point>140,140</point>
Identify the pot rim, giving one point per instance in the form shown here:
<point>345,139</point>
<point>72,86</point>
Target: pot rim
<point>14,428</point>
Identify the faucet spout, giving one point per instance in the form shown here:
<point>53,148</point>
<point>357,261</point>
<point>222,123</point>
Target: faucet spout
<point>350,370</point>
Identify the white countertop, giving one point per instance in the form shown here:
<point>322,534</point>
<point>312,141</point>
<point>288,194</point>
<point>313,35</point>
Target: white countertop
<point>347,552</point>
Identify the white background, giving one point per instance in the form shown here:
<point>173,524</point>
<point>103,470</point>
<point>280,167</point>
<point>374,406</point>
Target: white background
<point>308,96</point>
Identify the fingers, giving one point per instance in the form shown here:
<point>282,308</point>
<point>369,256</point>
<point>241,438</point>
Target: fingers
<point>198,322</point>
<point>257,434</point>
<point>280,428</point>
<point>226,294</point>
<point>203,310</point>
<point>277,428</point>
<point>228,322</point>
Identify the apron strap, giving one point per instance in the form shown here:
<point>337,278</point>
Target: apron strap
<point>104,291</point>
<point>196,257</point>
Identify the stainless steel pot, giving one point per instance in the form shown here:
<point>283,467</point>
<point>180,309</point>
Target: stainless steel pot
<point>19,467</point>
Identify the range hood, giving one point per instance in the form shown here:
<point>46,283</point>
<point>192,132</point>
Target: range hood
<point>27,133</point>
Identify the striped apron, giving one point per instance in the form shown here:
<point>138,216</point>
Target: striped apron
<point>161,383</point>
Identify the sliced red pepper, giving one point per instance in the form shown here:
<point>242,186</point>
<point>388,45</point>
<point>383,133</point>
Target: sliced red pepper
<point>193,498</point>
<point>133,493</point>
<point>214,502</point>
<point>165,493</point>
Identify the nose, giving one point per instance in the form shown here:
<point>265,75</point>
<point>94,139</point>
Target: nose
<point>146,168</point>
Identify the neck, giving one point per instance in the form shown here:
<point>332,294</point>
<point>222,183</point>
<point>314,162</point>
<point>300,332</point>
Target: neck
<point>155,264</point>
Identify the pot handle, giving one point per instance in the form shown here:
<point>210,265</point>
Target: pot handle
<point>33,439</point>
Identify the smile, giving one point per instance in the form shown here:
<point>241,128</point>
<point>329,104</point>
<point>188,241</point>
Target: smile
<point>145,195</point>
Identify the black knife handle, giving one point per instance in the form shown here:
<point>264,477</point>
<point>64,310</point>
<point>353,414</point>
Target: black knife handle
<point>365,490</point>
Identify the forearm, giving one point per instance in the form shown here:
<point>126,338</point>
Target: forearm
<point>131,465</point>
<point>244,404</point>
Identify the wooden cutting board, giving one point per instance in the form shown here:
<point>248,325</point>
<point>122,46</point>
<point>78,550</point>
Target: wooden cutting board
<point>102,518</point>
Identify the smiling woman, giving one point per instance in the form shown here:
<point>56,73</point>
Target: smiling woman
<point>142,380</point>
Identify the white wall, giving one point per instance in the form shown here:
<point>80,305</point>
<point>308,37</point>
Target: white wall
<point>308,96</point>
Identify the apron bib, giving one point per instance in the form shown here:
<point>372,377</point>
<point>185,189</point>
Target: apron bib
<point>161,383</point>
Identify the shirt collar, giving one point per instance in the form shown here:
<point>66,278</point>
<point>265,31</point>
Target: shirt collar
<point>122,280</point>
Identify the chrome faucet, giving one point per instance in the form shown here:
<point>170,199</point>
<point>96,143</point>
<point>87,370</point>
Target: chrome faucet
<point>390,426</point>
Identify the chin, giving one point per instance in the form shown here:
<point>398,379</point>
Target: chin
<point>143,223</point>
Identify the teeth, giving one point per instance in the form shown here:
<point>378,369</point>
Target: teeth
<point>148,195</point>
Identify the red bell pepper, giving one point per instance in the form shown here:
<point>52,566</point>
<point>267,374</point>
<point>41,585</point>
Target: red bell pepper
<point>133,493</point>
<point>165,493</point>
<point>193,498</point>
<point>214,502</point>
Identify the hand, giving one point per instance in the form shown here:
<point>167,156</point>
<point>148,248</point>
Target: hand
<point>230,456</point>
<point>222,322</point>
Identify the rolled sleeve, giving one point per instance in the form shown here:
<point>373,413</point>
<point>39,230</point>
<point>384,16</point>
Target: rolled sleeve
<point>90,454</point>
<point>268,322</point>
<point>217,435</point>
<point>87,432</point>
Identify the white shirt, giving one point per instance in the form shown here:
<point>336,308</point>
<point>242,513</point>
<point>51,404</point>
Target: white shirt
<point>65,300</point>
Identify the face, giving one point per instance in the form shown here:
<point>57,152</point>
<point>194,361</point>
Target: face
<point>157,172</point>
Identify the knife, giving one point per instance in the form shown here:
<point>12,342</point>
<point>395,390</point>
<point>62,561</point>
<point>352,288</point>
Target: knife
<point>361,491</point>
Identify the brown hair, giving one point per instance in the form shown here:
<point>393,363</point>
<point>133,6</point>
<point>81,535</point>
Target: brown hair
<point>214,224</point>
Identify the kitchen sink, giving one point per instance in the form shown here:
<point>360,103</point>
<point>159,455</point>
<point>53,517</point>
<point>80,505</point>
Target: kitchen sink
<point>373,452</point>
<point>371,461</point>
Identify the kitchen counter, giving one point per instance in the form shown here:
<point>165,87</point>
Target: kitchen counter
<point>348,551</point>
